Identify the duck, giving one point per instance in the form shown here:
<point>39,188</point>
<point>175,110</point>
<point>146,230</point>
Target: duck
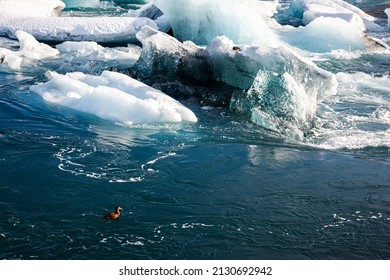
<point>113,216</point>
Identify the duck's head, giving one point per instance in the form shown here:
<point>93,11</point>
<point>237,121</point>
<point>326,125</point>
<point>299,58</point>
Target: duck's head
<point>118,208</point>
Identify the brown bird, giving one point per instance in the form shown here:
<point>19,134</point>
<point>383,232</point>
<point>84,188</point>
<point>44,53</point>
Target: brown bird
<point>113,216</point>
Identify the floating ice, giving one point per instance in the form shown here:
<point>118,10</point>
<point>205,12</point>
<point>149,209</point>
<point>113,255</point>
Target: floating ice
<point>164,55</point>
<point>325,34</point>
<point>201,21</point>
<point>387,11</point>
<point>112,96</point>
<point>281,89</point>
<point>308,10</point>
<point>29,48</point>
<point>10,59</point>
<point>125,56</point>
<point>284,88</point>
<point>152,12</point>
<point>39,19</point>
<point>81,3</point>
<point>99,29</point>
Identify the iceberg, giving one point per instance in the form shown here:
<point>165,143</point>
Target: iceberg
<point>81,3</point>
<point>289,86</point>
<point>279,89</point>
<point>164,55</point>
<point>308,10</point>
<point>201,21</point>
<point>325,34</point>
<point>112,96</point>
<point>29,48</point>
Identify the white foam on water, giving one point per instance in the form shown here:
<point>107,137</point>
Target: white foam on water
<point>357,117</point>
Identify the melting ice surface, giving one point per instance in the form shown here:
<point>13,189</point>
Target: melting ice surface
<point>325,34</point>
<point>243,21</point>
<point>29,49</point>
<point>113,96</point>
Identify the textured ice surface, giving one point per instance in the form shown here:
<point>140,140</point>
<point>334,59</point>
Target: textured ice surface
<point>152,12</point>
<point>99,29</point>
<point>276,87</point>
<point>309,10</point>
<point>86,51</point>
<point>29,48</point>
<point>164,55</point>
<point>112,96</point>
<point>201,21</point>
<point>325,34</point>
<point>281,89</point>
<point>387,11</point>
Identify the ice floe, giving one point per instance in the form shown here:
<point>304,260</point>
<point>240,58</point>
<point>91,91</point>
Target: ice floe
<point>29,48</point>
<point>112,96</point>
<point>40,19</point>
<point>99,29</point>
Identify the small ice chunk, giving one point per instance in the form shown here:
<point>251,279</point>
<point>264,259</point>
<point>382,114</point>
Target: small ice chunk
<point>10,59</point>
<point>112,96</point>
<point>31,48</point>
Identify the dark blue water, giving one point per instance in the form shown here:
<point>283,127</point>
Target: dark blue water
<point>222,188</point>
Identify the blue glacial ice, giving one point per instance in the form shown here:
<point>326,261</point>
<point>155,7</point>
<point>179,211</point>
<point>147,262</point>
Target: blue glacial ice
<point>259,73</point>
<point>200,21</point>
<point>81,3</point>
